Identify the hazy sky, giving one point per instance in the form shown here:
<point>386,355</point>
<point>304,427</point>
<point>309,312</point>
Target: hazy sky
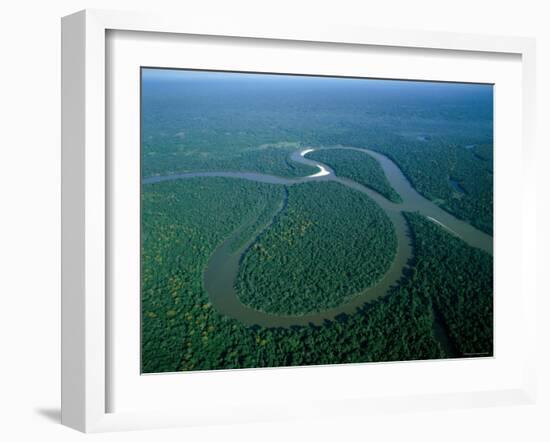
<point>182,75</point>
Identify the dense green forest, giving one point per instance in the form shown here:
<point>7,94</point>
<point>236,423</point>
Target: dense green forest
<point>358,167</point>
<point>182,331</point>
<point>326,246</point>
<point>460,285</point>
<point>182,223</point>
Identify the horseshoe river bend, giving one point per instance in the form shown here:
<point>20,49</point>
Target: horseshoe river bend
<point>221,271</point>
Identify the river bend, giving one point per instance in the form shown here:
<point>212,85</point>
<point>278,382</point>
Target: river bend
<point>221,271</point>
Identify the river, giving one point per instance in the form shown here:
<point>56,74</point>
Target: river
<point>221,271</point>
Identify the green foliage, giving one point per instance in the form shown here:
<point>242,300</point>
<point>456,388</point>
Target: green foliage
<point>459,281</point>
<point>328,245</point>
<point>359,167</point>
<point>182,222</point>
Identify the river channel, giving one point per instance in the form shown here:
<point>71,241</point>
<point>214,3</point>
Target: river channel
<point>221,271</point>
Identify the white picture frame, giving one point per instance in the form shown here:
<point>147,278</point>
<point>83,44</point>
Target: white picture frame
<point>86,205</point>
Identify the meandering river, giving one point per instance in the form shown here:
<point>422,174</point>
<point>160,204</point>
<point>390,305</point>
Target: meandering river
<point>221,271</point>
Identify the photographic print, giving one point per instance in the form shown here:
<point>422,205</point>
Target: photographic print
<point>294,220</point>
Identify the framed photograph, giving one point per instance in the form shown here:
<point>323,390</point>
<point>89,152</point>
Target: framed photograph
<point>266,222</point>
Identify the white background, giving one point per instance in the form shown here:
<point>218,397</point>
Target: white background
<point>30,217</point>
<point>256,390</point>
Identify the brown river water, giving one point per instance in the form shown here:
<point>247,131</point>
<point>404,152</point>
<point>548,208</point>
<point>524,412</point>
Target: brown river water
<point>221,271</point>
